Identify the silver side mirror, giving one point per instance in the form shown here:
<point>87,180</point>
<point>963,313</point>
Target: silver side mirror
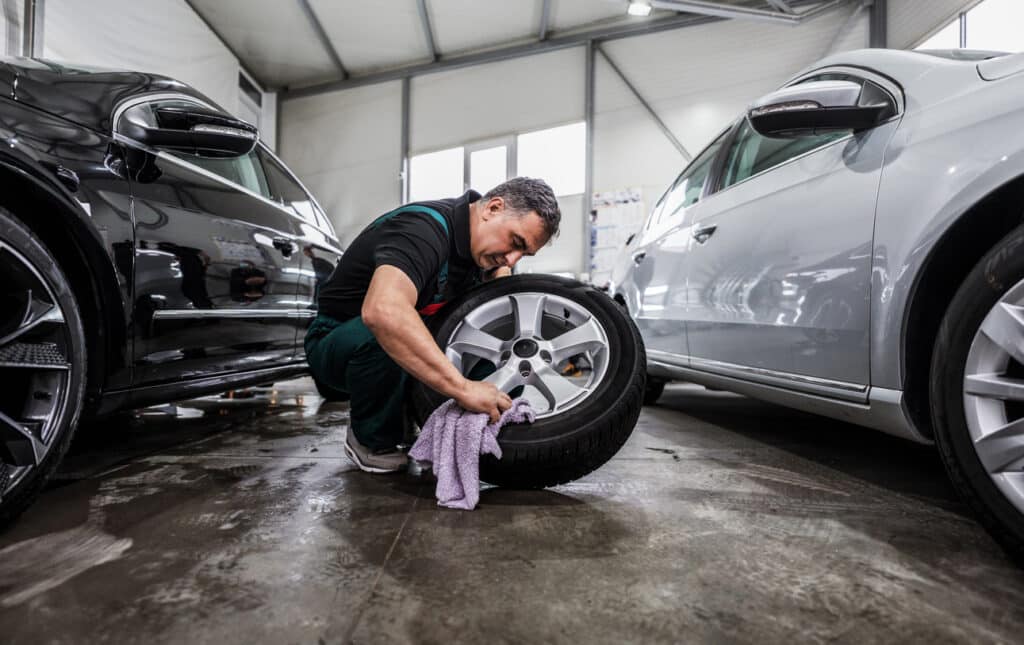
<point>814,108</point>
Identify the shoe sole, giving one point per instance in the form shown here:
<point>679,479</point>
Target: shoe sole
<point>366,467</point>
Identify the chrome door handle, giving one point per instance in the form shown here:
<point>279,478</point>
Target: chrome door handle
<point>639,257</point>
<point>703,233</point>
<point>284,245</point>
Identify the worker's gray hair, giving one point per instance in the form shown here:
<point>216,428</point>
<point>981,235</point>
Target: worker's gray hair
<point>525,194</point>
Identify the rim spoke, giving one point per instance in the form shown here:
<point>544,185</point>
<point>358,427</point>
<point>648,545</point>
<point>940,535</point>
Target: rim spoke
<point>994,386</point>
<point>36,313</point>
<point>1002,448</point>
<point>505,378</point>
<point>556,388</point>
<point>473,340</point>
<point>528,311</point>
<point>585,338</point>
<point>1005,326</point>
<point>22,447</point>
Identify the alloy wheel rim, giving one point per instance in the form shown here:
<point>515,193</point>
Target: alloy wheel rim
<point>34,344</point>
<point>554,348</point>
<point>993,389</point>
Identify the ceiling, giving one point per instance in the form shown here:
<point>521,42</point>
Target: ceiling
<point>296,43</point>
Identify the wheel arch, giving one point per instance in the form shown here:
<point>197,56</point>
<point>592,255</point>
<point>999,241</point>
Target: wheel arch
<point>949,261</point>
<point>79,251</point>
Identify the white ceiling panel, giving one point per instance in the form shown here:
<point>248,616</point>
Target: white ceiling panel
<point>373,36</point>
<point>910,21</point>
<point>274,39</point>
<point>461,25</point>
<point>572,15</point>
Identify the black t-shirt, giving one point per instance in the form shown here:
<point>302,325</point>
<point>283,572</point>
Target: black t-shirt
<point>414,242</point>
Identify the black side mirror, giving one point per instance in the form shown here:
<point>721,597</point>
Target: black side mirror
<point>188,128</point>
<point>815,108</point>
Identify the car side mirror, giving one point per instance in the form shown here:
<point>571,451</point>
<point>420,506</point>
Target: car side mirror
<point>817,107</point>
<point>191,129</point>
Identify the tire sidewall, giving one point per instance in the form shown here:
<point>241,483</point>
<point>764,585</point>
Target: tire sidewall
<point>15,233</point>
<point>995,274</point>
<point>626,356</point>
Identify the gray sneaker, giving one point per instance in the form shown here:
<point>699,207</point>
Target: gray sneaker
<point>374,461</point>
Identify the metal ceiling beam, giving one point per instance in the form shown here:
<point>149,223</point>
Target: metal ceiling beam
<point>878,24</point>
<point>322,35</point>
<point>720,10</point>
<point>427,31</point>
<point>192,5</point>
<point>647,106</point>
<point>32,43</point>
<point>516,51</point>
<point>780,5</point>
<point>545,16</point>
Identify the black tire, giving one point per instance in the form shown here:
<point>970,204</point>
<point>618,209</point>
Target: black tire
<point>999,270</point>
<point>654,389</point>
<point>566,446</point>
<point>30,479</point>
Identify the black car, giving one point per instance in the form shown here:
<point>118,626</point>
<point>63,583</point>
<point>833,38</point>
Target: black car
<point>150,249</point>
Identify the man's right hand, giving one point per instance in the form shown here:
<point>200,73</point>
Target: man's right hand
<point>480,396</point>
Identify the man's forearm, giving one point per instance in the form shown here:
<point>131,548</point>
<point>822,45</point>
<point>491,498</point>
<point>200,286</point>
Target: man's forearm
<point>402,334</point>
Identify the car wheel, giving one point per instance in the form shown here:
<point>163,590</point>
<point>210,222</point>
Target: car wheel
<point>42,362</point>
<point>654,389</point>
<point>977,389</point>
<point>569,350</point>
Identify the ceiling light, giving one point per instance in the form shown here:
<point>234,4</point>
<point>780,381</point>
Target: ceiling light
<point>638,8</point>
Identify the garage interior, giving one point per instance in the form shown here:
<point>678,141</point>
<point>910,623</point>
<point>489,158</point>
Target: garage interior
<point>238,518</point>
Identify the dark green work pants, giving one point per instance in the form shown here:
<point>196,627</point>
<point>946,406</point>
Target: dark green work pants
<point>346,357</point>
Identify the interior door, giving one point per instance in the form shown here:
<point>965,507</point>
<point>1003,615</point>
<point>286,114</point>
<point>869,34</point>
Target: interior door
<point>779,269</point>
<point>217,267</point>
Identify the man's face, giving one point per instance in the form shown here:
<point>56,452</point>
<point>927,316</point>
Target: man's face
<point>502,237</point>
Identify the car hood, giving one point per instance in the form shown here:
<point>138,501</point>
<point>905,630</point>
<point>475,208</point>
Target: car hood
<point>87,96</point>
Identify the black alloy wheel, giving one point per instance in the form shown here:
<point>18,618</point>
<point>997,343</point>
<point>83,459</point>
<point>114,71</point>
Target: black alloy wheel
<point>42,365</point>
<point>567,348</point>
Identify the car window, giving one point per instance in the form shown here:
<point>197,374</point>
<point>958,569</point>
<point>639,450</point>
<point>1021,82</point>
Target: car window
<point>244,171</point>
<point>686,189</point>
<point>286,191</point>
<point>752,153</point>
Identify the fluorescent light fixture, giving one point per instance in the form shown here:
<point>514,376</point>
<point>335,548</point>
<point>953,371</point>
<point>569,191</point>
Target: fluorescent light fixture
<point>638,8</point>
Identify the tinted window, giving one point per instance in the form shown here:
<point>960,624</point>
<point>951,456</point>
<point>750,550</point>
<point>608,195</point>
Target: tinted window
<point>285,190</point>
<point>687,188</point>
<point>245,171</point>
<point>752,153</point>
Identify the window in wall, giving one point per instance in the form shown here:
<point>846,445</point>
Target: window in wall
<point>488,168</point>
<point>437,175</point>
<point>996,25</point>
<point>556,155</point>
<point>992,25</point>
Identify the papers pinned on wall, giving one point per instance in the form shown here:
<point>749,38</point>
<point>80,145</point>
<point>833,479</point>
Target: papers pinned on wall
<point>615,215</point>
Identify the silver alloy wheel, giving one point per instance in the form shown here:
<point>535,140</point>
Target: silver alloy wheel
<point>994,394</point>
<point>34,344</point>
<point>552,347</point>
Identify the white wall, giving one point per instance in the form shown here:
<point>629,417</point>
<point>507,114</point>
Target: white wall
<point>11,15</point>
<point>346,148</point>
<point>159,36</point>
<point>912,21</point>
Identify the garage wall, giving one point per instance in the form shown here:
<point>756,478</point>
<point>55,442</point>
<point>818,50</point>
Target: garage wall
<point>912,21</point>
<point>697,80</point>
<point>346,147</point>
<point>160,36</point>
<point>11,13</point>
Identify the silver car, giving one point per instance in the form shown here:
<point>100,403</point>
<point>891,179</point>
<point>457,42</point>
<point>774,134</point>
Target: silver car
<point>853,246</point>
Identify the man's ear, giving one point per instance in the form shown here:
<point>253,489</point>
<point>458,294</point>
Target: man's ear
<point>495,205</point>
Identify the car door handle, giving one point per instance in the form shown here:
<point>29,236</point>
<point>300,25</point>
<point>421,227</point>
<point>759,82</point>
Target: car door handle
<point>284,245</point>
<point>639,257</point>
<point>703,233</point>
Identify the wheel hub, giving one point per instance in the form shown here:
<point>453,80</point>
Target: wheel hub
<point>525,348</point>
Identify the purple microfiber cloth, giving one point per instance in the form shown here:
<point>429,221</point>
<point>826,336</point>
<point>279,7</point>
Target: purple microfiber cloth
<point>453,440</point>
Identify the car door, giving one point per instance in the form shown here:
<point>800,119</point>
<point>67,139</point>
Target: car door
<point>317,239</point>
<point>658,274</point>
<point>779,267</point>
<point>217,261</point>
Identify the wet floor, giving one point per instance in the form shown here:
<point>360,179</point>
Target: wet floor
<point>722,519</point>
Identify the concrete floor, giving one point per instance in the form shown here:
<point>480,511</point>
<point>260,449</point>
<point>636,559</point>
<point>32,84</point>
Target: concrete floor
<point>722,519</point>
